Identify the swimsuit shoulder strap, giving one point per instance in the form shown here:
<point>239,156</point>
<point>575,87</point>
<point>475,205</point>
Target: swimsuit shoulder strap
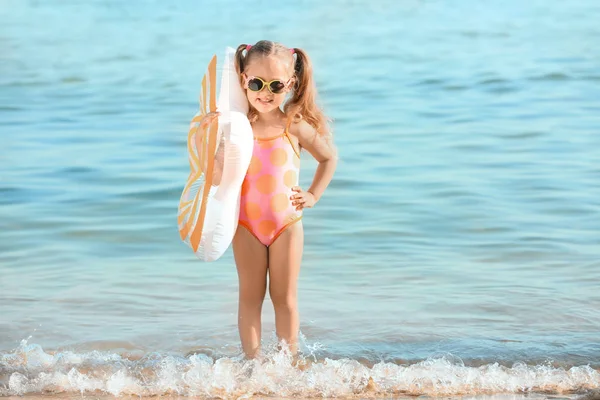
<point>287,134</point>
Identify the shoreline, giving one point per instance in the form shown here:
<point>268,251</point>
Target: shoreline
<point>592,395</point>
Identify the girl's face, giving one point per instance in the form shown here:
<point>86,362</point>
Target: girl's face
<point>268,69</point>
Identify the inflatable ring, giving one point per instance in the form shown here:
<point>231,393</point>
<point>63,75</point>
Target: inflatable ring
<point>219,157</point>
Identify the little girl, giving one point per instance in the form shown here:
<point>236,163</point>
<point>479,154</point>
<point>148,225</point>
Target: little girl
<point>270,238</point>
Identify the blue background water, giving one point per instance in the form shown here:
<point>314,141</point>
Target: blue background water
<point>464,217</point>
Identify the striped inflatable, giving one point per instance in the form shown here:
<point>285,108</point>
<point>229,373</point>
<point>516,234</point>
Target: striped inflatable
<point>219,156</point>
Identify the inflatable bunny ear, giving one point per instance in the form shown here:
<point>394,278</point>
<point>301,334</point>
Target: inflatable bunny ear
<point>219,156</point>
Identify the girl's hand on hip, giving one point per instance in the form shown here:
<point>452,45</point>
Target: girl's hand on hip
<point>302,199</point>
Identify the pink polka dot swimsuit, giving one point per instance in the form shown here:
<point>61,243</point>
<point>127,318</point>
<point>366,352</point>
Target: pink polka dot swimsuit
<point>266,209</point>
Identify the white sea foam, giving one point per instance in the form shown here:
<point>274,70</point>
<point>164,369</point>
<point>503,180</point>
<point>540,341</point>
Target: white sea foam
<point>30,370</point>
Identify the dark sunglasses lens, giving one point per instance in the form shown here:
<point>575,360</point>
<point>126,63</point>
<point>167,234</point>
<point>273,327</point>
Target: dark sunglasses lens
<point>277,86</point>
<point>255,85</point>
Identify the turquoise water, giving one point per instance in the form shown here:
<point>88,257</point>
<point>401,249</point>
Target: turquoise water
<point>457,250</point>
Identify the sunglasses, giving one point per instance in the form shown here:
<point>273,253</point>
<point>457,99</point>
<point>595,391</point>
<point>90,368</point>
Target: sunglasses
<point>256,84</point>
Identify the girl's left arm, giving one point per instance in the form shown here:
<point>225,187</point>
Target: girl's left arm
<point>324,153</point>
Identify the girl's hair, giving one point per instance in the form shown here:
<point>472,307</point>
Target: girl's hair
<point>302,104</point>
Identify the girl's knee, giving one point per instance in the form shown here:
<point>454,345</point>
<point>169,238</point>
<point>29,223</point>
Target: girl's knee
<point>284,301</point>
<point>252,298</point>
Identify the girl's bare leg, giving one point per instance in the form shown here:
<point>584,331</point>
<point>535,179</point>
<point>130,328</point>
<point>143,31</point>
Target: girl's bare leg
<point>251,262</point>
<point>285,256</point>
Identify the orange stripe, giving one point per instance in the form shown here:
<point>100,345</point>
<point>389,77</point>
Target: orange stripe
<point>203,95</point>
<point>200,149</point>
<point>185,203</point>
<point>183,211</point>
<point>190,182</point>
<point>191,179</point>
<point>212,145</point>
<point>198,118</point>
<point>212,73</point>
<point>190,148</point>
<point>212,67</point>
<point>195,173</point>
<point>187,214</point>
<point>199,172</point>
<point>183,232</point>
<point>190,219</point>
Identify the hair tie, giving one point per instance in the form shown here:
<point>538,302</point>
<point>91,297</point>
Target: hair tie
<point>248,47</point>
<point>292,50</point>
